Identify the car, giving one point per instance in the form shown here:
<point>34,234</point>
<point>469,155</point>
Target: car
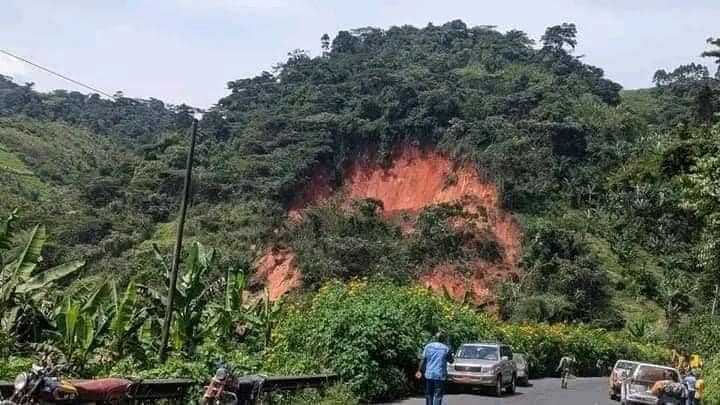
<point>523,372</point>
<point>484,364</point>
<point>635,390</point>
<point>621,370</point>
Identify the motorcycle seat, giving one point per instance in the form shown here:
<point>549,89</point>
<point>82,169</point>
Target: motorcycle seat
<point>105,389</point>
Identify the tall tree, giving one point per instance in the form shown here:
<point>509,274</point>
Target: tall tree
<point>714,53</point>
<point>325,43</point>
<point>705,105</point>
<point>557,36</point>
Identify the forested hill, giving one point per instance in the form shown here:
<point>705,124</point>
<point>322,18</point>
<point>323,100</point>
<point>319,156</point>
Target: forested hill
<point>463,89</point>
<point>609,187</point>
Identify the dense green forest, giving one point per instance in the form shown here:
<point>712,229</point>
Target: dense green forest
<point>615,190</point>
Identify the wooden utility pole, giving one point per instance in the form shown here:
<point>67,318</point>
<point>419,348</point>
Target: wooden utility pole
<point>178,246</point>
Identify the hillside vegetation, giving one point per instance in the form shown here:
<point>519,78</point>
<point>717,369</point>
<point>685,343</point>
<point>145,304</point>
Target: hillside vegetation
<point>562,197</point>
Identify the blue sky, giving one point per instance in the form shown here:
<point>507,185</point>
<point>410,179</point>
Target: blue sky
<point>187,50</point>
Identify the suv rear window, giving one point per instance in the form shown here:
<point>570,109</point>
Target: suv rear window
<point>478,352</point>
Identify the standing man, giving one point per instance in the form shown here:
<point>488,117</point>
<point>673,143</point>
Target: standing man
<point>435,359</point>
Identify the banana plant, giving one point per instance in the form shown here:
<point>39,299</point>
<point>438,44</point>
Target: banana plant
<point>232,319</point>
<point>191,296</point>
<point>127,319</point>
<point>267,316</point>
<point>7,234</point>
<point>639,330</point>
<point>24,286</point>
<point>80,324</point>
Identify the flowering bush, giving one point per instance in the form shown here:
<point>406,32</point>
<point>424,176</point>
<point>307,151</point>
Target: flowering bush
<point>545,344</point>
<point>372,335</point>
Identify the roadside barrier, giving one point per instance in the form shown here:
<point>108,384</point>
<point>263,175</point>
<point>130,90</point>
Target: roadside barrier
<point>176,390</point>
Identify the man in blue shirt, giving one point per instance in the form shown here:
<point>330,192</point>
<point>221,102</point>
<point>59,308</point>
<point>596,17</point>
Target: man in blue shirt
<point>436,356</point>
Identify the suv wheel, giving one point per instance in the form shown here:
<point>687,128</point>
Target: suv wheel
<point>511,387</point>
<point>498,387</point>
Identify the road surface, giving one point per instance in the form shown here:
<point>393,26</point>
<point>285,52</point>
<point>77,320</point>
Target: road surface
<point>581,391</point>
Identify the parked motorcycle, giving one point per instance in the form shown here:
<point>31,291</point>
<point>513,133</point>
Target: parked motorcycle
<point>45,386</point>
<point>222,387</point>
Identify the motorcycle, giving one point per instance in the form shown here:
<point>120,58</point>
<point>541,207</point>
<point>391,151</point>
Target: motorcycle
<point>222,387</point>
<point>45,385</point>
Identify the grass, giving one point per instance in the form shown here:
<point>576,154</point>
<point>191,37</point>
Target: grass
<point>163,237</point>
<point>165,233</point>
<point>9,162</point>
<point>55,152</point>
<point>19,187</point>
<point>634,306</point>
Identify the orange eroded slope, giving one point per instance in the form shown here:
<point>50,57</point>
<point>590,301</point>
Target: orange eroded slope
<point>277,270</point>
<point>417,179</point>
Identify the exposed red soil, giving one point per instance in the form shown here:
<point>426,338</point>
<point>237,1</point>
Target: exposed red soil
<point>479,278</point>
<point>416,179</point>
<point>315,191</point>
<point>276,269</point>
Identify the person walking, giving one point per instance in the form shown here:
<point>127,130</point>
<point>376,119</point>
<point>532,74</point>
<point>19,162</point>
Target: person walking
<point>600,365</point>
<point>433,366</point>
<point>565,367</point>
<point>691,384</point>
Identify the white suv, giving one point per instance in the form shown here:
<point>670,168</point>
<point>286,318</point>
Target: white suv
<point>488,364</point>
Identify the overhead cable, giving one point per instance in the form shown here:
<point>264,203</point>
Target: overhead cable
<point>81,84</point>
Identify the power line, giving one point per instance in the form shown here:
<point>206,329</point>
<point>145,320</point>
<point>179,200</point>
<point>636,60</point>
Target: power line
<point>20,58</point>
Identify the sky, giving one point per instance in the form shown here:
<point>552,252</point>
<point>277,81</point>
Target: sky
<point>185,51</point>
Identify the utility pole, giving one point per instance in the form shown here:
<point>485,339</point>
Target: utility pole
<point>178,246</point>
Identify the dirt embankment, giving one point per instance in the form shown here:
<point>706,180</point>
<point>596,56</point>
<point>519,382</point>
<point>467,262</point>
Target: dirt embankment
<point>416,179</point>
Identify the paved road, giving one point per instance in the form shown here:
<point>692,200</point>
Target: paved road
<point>581,391</point>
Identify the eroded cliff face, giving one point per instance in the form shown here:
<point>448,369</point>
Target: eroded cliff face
<point>415,180</point>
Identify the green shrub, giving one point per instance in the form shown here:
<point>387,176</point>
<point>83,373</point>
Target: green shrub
<point>545,344</point>
<point>698,334</point>
<point>336,395</point>
<point>12,366</point>
<point>371,335</point>
<point>711,375</point>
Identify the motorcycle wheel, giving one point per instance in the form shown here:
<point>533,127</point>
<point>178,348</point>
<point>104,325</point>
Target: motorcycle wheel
<point>228,399</point>
<point>225,400</point>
